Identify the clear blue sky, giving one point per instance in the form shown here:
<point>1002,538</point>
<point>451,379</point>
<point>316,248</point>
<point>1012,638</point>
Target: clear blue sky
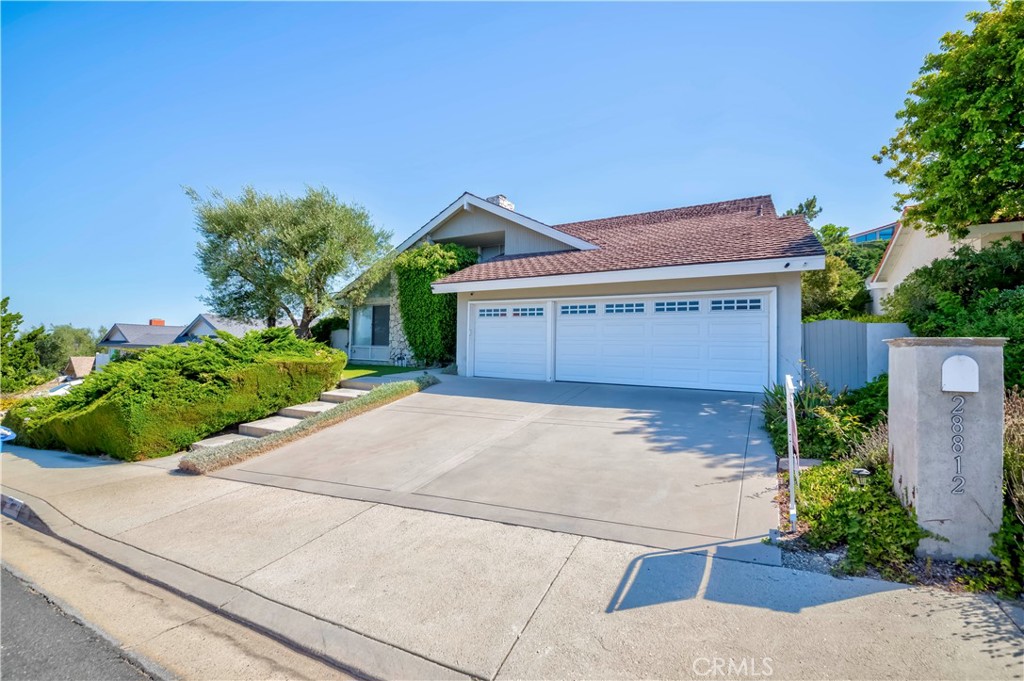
<point>572,110</point>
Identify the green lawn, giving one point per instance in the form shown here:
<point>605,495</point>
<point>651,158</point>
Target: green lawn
<point>361,370</point>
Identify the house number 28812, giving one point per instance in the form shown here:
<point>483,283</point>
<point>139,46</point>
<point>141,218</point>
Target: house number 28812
<point>957,441</point>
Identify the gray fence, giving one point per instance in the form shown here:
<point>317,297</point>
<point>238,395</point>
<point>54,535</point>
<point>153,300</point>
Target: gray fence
<point>847,354</point>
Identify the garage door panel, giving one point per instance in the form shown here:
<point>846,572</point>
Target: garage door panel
<point>677,342</point>
<point>510,346</point>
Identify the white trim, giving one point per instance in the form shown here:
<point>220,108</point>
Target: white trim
<point>552,306</point>
<point>726,269</point>
<point>468,201</point>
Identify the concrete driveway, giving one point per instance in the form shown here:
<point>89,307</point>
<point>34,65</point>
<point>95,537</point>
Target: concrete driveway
<point>669,468</point>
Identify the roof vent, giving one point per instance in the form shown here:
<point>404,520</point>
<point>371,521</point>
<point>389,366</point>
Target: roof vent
<point>502,200</point>
<point>760,210</point>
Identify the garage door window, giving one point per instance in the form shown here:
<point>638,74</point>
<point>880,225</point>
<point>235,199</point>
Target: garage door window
<point>624,308</point>
<point>677,306</point>
<point>527,311</point>
<point>579,309</point>
<point>493,312</point>
<point>735,304</point>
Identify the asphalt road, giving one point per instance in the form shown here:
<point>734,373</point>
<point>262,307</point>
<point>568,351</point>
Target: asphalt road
<point>40,642</point>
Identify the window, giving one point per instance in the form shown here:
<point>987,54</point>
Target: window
<point>579,309</point>
<point>489,252</point>
<point>623,308</point>
<point>735,304</point>
<point>527,311</point>
<point>493,312</point>
<point>372,325</point>
<point>677,306</point>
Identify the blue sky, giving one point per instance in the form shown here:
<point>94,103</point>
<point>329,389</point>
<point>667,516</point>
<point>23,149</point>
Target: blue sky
<point>574,111</point>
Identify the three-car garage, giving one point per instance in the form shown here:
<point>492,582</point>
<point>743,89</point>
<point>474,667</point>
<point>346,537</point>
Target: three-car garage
<point>708,340</point>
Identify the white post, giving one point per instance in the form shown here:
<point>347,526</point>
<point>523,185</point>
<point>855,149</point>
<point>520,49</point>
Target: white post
<point>793,451</point>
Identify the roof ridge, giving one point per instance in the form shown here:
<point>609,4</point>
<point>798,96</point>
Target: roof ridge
<point>745,200</point>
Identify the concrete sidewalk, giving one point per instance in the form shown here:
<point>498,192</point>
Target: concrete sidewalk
<point>391,592</point>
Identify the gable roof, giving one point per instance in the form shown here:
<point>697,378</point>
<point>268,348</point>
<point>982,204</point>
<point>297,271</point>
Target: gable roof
<point>471,201</point>
<point>80,366</point>
<point>140,336</point>
<point>740,230</point>
<point>219,323</point>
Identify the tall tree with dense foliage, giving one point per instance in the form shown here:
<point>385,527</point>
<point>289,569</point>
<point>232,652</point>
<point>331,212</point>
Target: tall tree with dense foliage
<point>959,150</point>
<point>19,363</point>
<point>63,341</point>
<point>268,257</point>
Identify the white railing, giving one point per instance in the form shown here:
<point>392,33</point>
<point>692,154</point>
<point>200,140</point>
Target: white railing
<point>793,450</point>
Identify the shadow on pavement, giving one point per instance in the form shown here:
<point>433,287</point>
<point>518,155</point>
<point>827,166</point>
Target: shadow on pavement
<point>48,458</point>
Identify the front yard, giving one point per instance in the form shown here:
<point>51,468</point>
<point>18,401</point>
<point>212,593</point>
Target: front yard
<point>364,370</point>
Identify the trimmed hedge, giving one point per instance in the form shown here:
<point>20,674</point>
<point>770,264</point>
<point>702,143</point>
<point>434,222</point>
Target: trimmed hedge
<point>162,400</point>
<point>208,460</point>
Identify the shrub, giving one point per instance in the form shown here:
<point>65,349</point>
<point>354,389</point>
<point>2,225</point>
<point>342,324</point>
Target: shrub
<point>868,519</point>
<point>321,331</point>
<point>429,319</point>
<point>159,401</point>
<point>869,403</point>
<point>826,427</point>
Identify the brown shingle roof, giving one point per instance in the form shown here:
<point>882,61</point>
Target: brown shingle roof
<point>79,366</point>
<point>727,231</point>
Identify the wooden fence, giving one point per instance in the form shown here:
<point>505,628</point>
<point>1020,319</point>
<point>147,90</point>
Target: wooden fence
<point>845,354</point>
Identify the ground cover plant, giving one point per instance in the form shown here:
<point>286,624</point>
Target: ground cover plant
<point>160,401</point>
<point>209,460</point>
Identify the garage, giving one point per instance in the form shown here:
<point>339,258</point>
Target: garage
<point>712,341</point>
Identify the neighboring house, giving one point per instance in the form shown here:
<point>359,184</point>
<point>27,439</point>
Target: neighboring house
<point>911,248</point>
<point>79,367</point>
<point>883,233</point>
<point>142,336</point>
<point>703,296</point>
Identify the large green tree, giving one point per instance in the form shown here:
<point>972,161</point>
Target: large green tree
<point>19,363</point>
<point>808,208</point>
<point>63,341</point>
<point>271,257</point>
<point>959,151</point>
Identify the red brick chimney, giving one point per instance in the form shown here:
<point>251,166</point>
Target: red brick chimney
<point>156,322</point>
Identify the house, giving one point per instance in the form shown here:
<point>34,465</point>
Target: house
<point>704,296</point>
<point>79,367</point>
<point>883,233</point>
<point>912,248</point>
<point>142,336</point>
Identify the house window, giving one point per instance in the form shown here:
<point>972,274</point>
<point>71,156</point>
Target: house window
<point>677,306</point>
<point>493,312</point>
<point>490,252</point>
<point>372,325</point>
<point>735,304</point>
<point>527,311</point>
<point>579,309</point>
<point>623,308</point>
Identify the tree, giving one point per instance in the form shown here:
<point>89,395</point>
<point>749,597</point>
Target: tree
<point>268,257</point>
<point>836,291</point>
<point>64,341</point>
<point>19,364</point>
<point>862,258</point>
<point>808,208</point>
<point>959,150</point>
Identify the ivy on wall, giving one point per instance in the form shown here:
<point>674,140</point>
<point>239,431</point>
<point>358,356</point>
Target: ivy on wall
<point>429,319</point>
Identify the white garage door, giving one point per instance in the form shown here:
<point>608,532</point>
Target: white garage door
<point>717,342</point>
<point>511,341</point>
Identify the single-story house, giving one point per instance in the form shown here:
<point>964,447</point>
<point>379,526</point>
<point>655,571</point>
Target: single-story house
<point>910,249</point>
<point>79,367</point>
<point>142,336</point>
<point>704,296</point>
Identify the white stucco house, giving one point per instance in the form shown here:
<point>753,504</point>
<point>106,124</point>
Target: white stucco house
<point>704,296</point>
<point>910,249</point>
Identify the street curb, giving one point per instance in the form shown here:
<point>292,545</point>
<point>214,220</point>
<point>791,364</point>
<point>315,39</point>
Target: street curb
<point>334,644</point>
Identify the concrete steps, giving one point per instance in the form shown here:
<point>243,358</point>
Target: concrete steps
<point>359,384</point>
<point>343,394</point>
<point>303,411</point>
<point>268,426</point>
<point>220,440</point>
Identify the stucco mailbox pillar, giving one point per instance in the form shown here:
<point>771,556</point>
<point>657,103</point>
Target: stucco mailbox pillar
<point>946,439</point>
